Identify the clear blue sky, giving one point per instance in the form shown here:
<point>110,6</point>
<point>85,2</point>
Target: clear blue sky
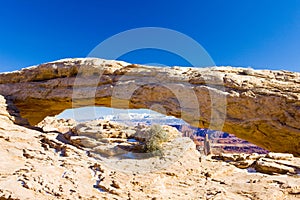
<point>257,33</point>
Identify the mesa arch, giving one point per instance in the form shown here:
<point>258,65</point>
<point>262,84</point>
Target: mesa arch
<point>260,106</point>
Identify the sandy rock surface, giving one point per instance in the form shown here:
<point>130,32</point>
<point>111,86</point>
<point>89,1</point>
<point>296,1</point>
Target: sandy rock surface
<point>52,124</point>
<point>39,165</point>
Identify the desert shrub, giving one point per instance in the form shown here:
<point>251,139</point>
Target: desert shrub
<point>157,136</point>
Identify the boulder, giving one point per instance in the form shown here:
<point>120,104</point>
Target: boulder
<point>244,164</point>
<point>279,156</point>
<point>268,166</point>
<point>50,124</point>
<point>271,163</point>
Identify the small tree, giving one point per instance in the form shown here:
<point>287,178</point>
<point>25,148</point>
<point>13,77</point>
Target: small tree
<point>157,136</point>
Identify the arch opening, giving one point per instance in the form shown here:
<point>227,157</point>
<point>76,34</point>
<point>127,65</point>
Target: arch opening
<point>221,142</point>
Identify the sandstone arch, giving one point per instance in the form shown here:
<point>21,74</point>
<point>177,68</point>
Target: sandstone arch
<point>262,106</point>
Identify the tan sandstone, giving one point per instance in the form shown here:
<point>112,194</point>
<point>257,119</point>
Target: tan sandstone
<point>39,165</point>
<point>261,106</point>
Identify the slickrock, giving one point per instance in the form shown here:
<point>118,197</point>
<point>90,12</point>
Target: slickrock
<point>39,165</point>
<point>270,167</point>
<point>51,124</point>
<point>260,106</point>
<point>100,129</point>
<point>271,163</point>
<point>279,156</point>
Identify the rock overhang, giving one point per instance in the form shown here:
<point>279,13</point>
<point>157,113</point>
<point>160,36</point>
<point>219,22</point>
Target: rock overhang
<point>261,106</point>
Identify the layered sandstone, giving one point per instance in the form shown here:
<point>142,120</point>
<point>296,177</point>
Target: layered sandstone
<point>261,106</point>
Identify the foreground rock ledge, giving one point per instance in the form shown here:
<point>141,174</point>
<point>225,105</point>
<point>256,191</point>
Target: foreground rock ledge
<point>41,165</point>
<point>260,106</point>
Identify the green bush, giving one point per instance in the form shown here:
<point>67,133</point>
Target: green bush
<point>157,136</point>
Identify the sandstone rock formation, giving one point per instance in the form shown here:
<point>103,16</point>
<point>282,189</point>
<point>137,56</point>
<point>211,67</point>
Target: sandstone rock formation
<point>271,163</point>
<point>260,106</point>
<point>51,124</point>
<point>38,165</point>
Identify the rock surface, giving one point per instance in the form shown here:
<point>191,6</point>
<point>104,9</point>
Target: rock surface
<point>9,113</point>
<point>39,165</point>
<point>51,124</point>
<point>260,106</point>
<point>99,129</point>
<point>271,163</point>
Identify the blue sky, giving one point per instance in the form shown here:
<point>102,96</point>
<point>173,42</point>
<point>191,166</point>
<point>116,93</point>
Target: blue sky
<point>257,33</point>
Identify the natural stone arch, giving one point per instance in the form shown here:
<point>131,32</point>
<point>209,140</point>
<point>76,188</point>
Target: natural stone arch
<point>263,106</point>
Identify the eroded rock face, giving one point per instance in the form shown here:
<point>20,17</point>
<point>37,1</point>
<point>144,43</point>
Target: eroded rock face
<point>260,106</point>
<point>52,124</point>
<point>9,113</point>
<point>271,163</point>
